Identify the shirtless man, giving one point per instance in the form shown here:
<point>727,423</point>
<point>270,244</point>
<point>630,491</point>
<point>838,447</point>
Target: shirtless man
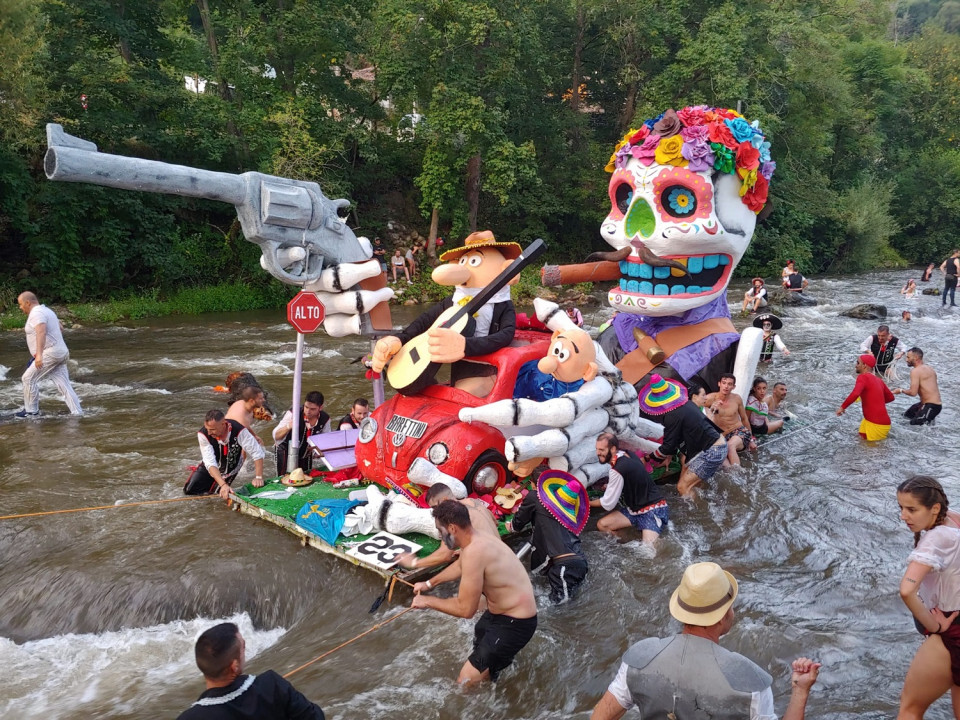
<point>242,410</point>
<point>491,570</point>
<point>773,400</point>
<point>480,517</point>
<point>923,382</point>
<point>726,410</point>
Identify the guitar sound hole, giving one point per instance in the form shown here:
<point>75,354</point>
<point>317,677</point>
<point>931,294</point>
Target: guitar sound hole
<point>414,355</point>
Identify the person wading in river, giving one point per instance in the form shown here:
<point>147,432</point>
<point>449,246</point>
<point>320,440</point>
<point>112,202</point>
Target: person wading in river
<point>725,408</point>
<point>923,382</point>
<point>874,395</point>
<point>488,568</point>
<point>930,588</point>
<point>222,444</point>
<point>231,695</point>
<point>690,675</point>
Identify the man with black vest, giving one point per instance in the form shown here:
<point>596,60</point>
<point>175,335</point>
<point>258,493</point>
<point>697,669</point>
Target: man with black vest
<point>222,446</point>
<point>313,421</point>
<point>883,346</point>
<point>689,675</point>
<point>950,269</point>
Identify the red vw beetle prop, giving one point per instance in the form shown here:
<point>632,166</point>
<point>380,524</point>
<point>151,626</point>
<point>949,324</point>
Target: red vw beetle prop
<point>426,425</point>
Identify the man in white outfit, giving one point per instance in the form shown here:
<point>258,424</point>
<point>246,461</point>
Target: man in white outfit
<point>50,355</point>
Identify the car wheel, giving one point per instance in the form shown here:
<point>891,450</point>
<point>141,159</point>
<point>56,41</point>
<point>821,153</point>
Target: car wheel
<point>487,473</point>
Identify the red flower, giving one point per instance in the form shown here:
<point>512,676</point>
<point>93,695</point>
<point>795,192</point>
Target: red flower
<point>692,116</point>
<point>718,132</point>
<point>640,135</point>
<point>748,157</point>
<point>756,196</point>
<point>726,113</point>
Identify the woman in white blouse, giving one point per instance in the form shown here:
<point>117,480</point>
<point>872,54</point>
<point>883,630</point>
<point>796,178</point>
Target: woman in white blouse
<point>930,588</point>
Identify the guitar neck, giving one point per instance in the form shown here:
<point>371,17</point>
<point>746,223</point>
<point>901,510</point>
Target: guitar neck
<point>530,253</point>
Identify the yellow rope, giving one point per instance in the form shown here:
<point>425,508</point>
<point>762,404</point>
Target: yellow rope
<point>105,507</point>
<point>351,640</point>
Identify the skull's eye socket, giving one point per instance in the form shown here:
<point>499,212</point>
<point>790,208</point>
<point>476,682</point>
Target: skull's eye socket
<point>678,201</point>
<point>624,196</point>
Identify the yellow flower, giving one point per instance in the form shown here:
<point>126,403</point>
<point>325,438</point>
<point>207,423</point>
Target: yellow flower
<point>668,152</point>
<point>749,178</point>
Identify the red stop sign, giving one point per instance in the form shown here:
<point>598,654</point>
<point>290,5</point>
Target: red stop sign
<point>305,312</point>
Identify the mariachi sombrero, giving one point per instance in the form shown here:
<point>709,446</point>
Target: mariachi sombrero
<point>660,395</point>
<point>482,239</point>
<point>759,320</point>
<point>565,498</point>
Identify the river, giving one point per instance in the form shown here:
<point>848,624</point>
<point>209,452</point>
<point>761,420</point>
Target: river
<point>100,609</point>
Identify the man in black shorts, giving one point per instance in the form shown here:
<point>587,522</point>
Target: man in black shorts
<point>489,568</point>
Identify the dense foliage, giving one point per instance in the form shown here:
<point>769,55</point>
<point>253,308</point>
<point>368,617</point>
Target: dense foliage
<point>477,113</point>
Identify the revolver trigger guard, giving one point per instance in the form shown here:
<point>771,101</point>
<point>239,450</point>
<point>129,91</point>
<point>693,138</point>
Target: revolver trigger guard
<point>273,267</point>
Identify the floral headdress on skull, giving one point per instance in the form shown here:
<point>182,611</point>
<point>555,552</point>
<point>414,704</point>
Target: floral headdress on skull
<point>702,138</point>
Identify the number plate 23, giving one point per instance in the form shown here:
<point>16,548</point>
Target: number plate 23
<point>383,549</point>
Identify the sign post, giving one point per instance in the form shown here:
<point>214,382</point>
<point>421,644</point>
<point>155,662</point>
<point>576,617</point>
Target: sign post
<point>305,312</point>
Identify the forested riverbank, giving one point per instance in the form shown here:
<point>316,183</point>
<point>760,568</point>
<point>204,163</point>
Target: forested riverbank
<point>448,116</point>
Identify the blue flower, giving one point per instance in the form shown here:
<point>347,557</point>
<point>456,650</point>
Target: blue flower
<point>681,201</point>
<point>741,129</point>
<point>653,121</point>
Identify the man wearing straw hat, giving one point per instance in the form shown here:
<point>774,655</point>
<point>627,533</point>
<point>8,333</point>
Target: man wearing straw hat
<point>689,675</point>
<point>559,510</point>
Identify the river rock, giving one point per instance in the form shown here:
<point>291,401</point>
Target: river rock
<point>411,301</point>
<point>866,311</point>
<point>784,297</point>
<point>931,291</point>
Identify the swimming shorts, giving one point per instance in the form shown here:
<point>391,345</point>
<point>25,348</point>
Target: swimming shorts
<point>761,429</point>
<point>872,431</point>
<point>742,433</point>
<point>706,463</point>
<point>652,517</point>
<point>922,413</point>
<point>497,639</point>
<point>565,576</point>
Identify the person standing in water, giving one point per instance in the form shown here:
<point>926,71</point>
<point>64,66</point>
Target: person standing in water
<point>950,267</point>
<point>928,273</point>
<point>930,588</point>
<point>923,382</point>
<point>874,395</point>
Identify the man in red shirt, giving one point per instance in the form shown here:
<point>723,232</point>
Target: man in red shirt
<point>874,396</point>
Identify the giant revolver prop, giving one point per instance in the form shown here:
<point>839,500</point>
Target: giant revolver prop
<point>293,222</point>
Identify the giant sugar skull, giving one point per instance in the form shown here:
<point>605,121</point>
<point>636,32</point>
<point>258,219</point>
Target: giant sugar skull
<point>685,193</point>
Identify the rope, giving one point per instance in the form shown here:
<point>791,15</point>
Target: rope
<point>795,432</point>
<point>105,507</point>
<point>351,640</point>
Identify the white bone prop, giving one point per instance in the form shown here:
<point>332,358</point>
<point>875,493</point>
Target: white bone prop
<point>343,276</point>
<point>577,456</point>
<point>590,474</point>
<point>401,516</point>
<point>353,301</point>
<point>550,314</point>
<point>425,473</point>
<point>745,365</point>
<point>556,412</point>
<point>367,246</point>
<point>557,441</point>
<point>341,325</point>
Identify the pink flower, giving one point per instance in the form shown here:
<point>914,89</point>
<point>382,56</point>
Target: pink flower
<point>697,133</point>
<point>646,153</point>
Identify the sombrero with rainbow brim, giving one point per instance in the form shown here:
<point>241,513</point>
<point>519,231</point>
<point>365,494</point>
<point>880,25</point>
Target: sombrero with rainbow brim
<point>565,498</point>
<point>661,395</point>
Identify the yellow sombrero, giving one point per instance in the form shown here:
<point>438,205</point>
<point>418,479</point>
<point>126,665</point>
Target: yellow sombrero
<point>482,239</point>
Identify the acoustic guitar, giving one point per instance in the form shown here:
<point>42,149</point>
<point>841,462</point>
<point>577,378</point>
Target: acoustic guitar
<point>411,369</point>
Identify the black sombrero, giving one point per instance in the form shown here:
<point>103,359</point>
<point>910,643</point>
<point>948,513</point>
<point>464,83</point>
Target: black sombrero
<point>759,320</point>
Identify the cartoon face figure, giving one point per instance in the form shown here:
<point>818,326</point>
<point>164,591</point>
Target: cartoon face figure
<point>685,208</point>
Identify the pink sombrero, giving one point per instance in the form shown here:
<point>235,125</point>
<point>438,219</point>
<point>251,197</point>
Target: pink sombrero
<point>660,395</point>
<point>565,498</point>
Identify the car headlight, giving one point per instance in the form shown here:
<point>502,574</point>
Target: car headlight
<point>368,428</point>
<point>438,453</point>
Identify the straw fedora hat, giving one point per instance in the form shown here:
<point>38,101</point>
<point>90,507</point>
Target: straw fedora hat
<point>705,594</point>
<point>482,239</point>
